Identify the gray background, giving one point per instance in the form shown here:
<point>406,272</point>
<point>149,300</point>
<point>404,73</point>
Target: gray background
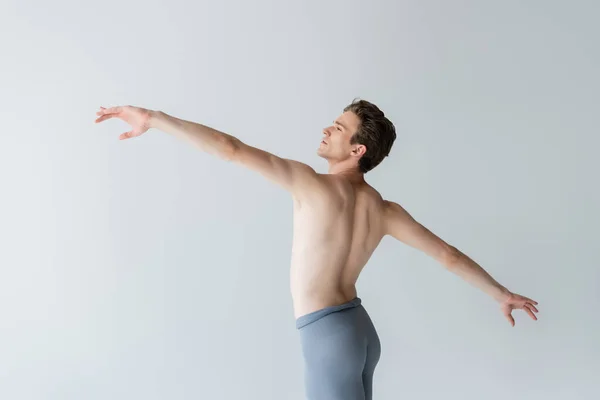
<point>145,269</point>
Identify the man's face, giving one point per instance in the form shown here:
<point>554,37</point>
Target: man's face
<point>335,144</point>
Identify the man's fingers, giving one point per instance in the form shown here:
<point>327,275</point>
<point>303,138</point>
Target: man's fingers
<point>532,307</point>
<point>510,319</point>
<point>531,301</point>
<point>103,118</point>
<point>111,110</point>
<point>126,135</point>
<point>531,314</point>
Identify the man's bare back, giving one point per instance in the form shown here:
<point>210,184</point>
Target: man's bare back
<point>336,229</point>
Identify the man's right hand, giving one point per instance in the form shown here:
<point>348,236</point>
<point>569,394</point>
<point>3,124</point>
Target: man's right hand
<point>138,118</point>
<point>516,301</point>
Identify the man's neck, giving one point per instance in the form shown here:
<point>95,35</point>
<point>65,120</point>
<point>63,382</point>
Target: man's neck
<point>350,173</point>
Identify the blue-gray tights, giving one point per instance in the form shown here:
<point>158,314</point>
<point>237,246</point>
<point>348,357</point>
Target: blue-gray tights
<point>341,349</point>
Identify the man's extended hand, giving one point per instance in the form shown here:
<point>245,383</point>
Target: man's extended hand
<point>515,301</point>
<point>138,118</point>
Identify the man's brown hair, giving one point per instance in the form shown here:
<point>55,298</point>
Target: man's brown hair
<point>375,131</point>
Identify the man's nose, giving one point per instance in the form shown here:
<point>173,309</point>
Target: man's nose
<point>326,131</point>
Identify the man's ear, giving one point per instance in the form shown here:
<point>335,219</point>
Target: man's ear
<point>359,150</point>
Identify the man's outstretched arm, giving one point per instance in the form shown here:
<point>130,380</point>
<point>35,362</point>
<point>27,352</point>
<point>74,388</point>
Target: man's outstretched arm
<point>289,174</point>
<point>402,226</point>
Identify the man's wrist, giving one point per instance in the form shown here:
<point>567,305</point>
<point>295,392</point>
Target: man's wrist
<point>155,117</point>
<point>501,294</point>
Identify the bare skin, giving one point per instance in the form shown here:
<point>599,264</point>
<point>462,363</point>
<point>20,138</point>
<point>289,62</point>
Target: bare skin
<point>339,219</point>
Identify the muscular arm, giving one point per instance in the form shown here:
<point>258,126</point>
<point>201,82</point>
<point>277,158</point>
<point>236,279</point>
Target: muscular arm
<point>402,226</point>
<point>289,174</point>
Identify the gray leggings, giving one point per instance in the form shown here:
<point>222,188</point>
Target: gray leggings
<point>341,349</point>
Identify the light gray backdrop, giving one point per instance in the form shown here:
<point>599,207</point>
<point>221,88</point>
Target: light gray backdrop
<point>146,269</point>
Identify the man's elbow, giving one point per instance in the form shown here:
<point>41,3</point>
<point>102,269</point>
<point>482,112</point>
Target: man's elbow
<point>230,149</point>
<point>451,257</point>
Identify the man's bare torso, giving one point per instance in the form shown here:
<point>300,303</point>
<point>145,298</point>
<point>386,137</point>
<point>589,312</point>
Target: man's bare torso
<point>336,229</point>
<point>338,219</point>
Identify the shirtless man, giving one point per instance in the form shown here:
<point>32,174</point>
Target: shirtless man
<point>339,220</point>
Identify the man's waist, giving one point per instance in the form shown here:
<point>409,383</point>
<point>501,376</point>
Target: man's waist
<point>309,300</point>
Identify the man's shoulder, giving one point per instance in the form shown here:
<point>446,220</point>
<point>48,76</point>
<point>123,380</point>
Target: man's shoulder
<point>374,193</point>
<point>391,206</point>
